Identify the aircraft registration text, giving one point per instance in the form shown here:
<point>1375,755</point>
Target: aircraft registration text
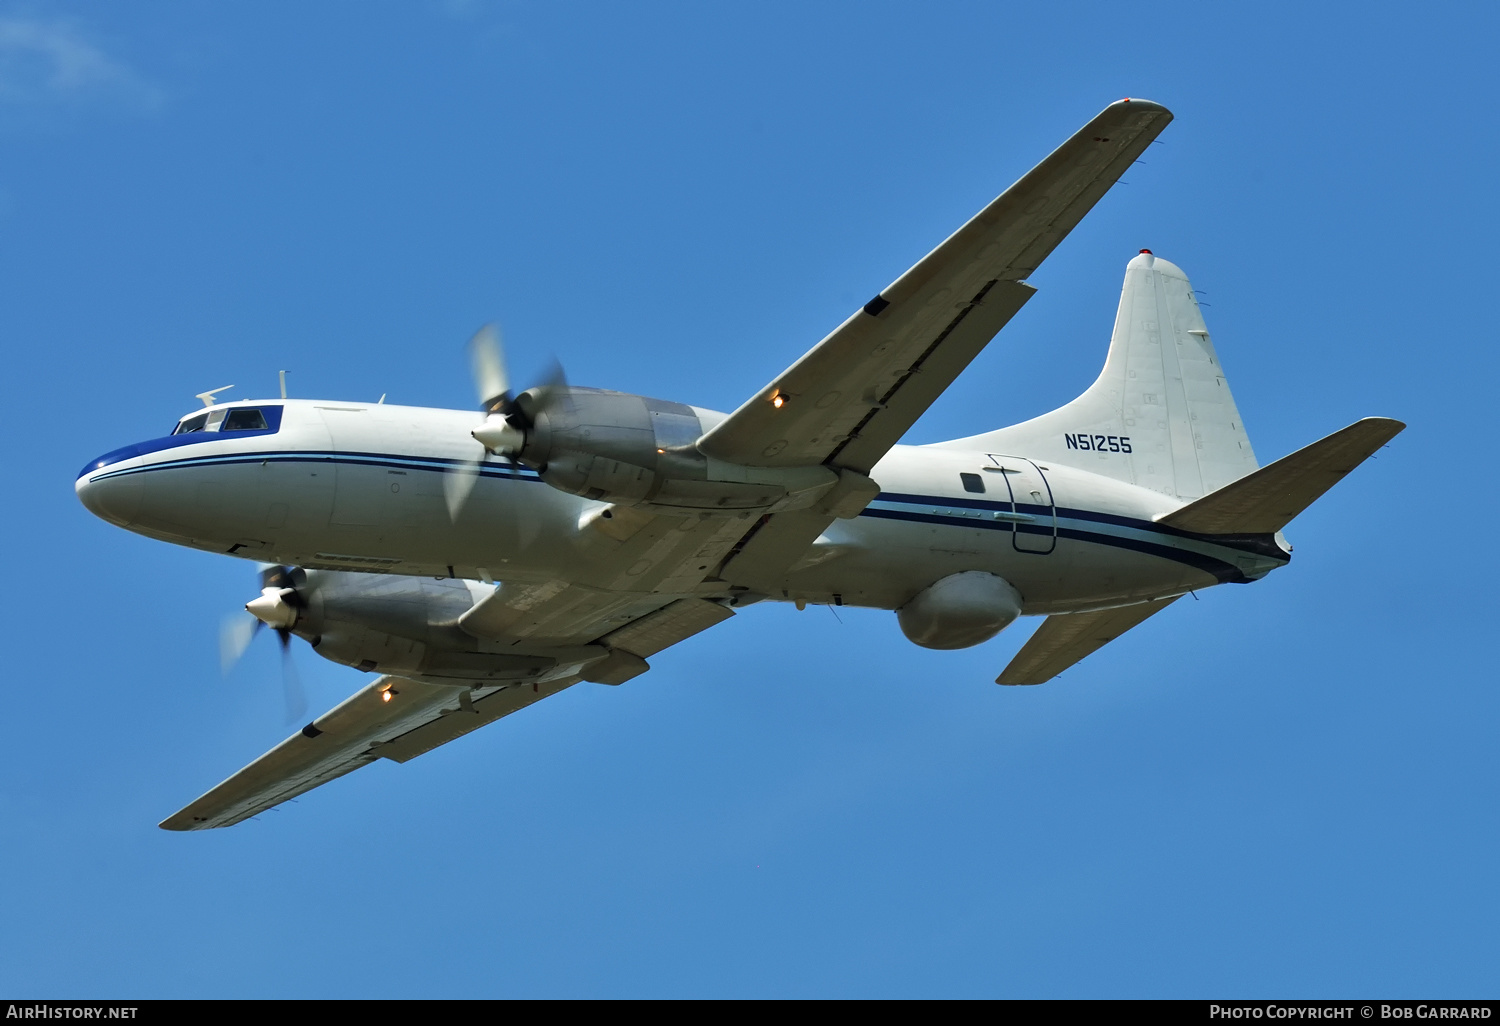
<point>1098,443</point>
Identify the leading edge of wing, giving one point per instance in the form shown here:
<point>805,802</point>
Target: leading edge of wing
<point>843,401</point>
<point>1126,127</point>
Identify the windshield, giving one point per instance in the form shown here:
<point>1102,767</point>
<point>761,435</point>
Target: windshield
<point>235,418</point>
<point>191,424</point>
<point>244,420</point>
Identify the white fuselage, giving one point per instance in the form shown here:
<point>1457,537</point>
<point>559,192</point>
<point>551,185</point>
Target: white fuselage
<point>359,486</point>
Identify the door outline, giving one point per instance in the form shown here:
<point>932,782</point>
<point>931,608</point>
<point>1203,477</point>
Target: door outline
<point>359,496</point>
<point>1044,536</point>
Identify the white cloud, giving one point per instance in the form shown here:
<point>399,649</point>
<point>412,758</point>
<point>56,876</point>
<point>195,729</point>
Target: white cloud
<point>46,63</point>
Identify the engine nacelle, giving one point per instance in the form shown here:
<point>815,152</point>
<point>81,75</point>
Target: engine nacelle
<point>635,451</point>
<point>960,610</point>
<point>405,625</point>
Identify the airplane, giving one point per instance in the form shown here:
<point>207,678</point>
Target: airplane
<point>477,562</point>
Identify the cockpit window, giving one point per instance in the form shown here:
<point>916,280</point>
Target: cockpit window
<point>244,420</point>
<point>257,419</point>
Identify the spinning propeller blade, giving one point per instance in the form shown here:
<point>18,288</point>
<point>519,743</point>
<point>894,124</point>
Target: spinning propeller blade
<point>553,387</point>
<point>487,359</point>
<point>277,605</point>
<point>235,635</point>
<point>291,683</point>
<point>458,482</point>
<point>507,417</point>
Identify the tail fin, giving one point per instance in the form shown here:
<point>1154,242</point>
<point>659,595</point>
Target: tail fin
<point>1264,502</point>
<point>1160,415</point>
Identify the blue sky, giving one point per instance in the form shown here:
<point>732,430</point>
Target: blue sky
<point>1284,789</point>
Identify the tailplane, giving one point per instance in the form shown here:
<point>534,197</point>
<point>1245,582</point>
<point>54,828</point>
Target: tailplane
<point>1160,414</point>
<point>1266,501</point>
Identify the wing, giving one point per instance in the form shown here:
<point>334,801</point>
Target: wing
<point>1064,639</point>
<point>596,634</point>
<point>853,396</point>
<point>367,726</point>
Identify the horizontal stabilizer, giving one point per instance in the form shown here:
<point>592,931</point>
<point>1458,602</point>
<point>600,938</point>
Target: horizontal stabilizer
<point>1265,501</point>
<point>1065,638</point>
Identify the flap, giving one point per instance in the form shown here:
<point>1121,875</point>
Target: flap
<point>666,627</point>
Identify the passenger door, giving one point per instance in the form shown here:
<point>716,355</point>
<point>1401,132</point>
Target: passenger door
<point>1031,503</point>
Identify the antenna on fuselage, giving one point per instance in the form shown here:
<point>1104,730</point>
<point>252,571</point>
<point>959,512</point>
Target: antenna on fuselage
<point>208,397</point>
<point>283,383</point>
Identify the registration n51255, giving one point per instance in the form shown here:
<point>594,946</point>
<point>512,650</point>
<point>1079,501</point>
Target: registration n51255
<point>1098,443</point>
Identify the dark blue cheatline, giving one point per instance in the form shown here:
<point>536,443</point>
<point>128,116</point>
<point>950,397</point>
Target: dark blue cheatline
<point>1162,541</point>
<point>272,415</point>
<point>353,459</point>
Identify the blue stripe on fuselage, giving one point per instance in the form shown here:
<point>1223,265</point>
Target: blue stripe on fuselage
<point>1132,533</point>
<point>436,464</point>
<point>271,412</point>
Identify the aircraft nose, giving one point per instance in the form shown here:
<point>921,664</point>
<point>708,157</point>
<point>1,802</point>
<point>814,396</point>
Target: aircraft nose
<point>109,495</point>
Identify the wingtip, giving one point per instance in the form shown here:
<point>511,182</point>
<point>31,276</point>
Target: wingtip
<point>181,822</point>
<point>1135,103</point>
<point>1389,427</point>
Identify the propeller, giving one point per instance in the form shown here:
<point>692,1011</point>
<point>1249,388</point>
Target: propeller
<point>277,607</point>
<point>292,691</point>
<point>507,417</point>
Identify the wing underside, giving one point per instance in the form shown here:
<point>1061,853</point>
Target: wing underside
<point>415,718</point>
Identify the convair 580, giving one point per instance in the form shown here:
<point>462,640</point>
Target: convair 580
<point>479,561</point>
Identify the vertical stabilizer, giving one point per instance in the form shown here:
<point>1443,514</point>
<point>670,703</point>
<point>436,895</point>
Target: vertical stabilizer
<point>1160,415</point>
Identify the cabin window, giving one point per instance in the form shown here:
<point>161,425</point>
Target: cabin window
<point>191,424</point>
<point>972,483</point>
<point>244,420</point>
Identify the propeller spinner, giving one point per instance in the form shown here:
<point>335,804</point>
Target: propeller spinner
<point>506,422</point>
